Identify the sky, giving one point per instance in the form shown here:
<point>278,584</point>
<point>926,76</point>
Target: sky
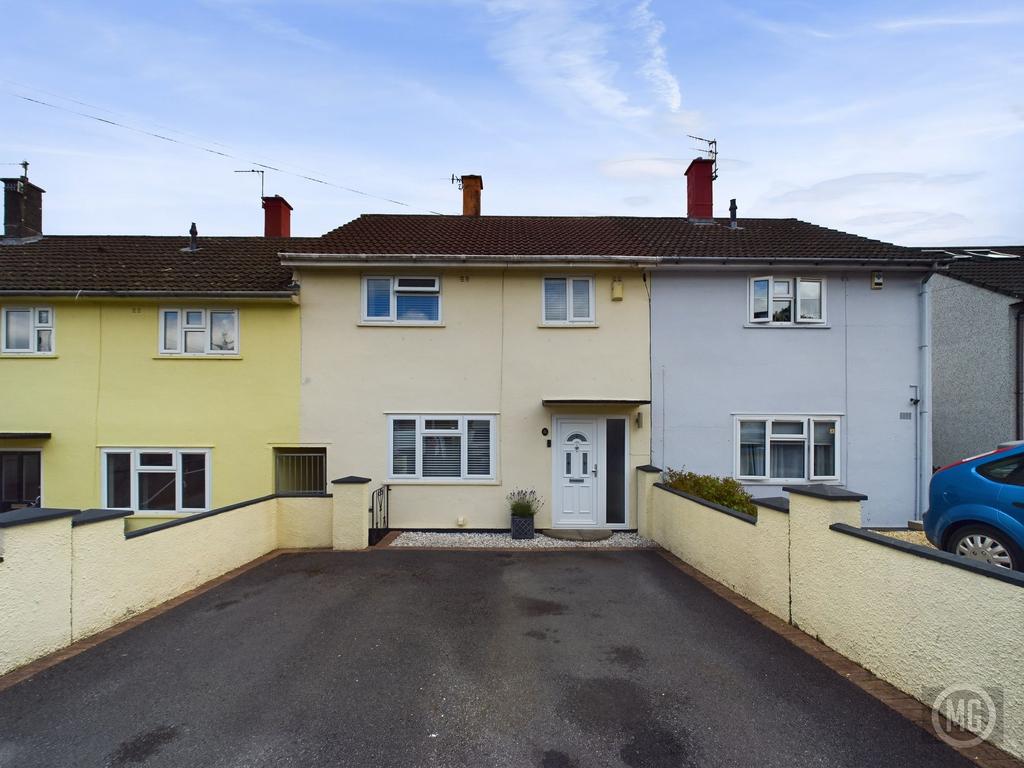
<point>900,120</point>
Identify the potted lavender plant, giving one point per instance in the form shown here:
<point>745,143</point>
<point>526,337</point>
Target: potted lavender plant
<point>523,504</point>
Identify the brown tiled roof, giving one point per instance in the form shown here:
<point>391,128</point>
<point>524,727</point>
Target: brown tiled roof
<point>602,236</point>
<point>1002,275</point>
<point>140,264</point>
<point>133,264</point>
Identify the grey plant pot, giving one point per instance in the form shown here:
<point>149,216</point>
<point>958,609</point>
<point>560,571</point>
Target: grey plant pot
<point>522,527</point>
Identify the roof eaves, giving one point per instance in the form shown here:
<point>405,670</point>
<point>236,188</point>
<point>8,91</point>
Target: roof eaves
<point>392,259</point>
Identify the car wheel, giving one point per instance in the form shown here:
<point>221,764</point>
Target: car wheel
<point>981,542</point>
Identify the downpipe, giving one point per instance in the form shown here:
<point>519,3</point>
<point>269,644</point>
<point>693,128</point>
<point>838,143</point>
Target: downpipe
<point>924,400</point>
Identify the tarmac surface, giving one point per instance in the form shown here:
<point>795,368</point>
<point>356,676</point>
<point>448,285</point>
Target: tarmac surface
<point>420,658</point>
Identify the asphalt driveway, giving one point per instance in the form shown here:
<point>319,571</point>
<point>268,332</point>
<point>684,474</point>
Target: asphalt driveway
<point>549,659</point>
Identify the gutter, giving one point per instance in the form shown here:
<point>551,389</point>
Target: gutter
<point>505,261</point>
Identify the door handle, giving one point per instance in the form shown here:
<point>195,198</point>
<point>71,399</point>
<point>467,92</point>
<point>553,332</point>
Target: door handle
<point>1019,504</point>
<point>594,470</point>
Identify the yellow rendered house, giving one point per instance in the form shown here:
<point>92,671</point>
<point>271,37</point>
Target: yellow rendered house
<point>158,374</point>
<point>456,358</point>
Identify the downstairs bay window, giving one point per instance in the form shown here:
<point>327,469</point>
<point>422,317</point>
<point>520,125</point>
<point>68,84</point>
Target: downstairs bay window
<point>787,448</point>
<point>156,479</point>
<point>441,448</point>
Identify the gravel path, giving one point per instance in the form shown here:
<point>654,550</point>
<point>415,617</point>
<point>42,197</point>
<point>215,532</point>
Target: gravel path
<point>504,540</point>
<point>911,537</point>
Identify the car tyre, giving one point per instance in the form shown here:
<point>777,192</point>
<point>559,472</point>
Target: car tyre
<point>986,544</point>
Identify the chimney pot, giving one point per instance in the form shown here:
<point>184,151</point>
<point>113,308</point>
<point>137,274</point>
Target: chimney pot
<point>277,217</point>
<point>732,213</point>
<point>471,188</point>
<point>699,202</point>
<point>23,208</point>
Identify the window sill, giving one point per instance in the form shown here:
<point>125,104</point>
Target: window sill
<point>562,326</point>
<point>197,357</point>
<point>790,326</point>
<point>775,481</point>
<point>367,324</point>
<point>27,356</point>
<point>440,482</point>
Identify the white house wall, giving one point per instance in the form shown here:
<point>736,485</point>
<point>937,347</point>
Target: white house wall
<point>707,367</point>
<point>489,357</point>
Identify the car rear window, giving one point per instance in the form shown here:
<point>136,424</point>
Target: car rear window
<point>1009,470</point>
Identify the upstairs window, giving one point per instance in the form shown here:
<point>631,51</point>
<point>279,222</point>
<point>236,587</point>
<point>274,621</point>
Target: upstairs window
<point>27,330</point>
<point>411,300</point>
<point>198,331</point>
<point>568,300</point>
<point>442,448</point>
<point>787,448</point>
<point>787,301</point>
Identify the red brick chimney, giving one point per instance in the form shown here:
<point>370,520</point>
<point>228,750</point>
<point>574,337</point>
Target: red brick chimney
<point>277,217</point>
<point>698,189</point>
<point>23,208</point>
<point>471,188</point>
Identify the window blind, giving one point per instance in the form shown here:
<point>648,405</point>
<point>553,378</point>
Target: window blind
<point>442,455</point>
<point>403,447</point>
<point>478,447</point>
<point>555,300</point>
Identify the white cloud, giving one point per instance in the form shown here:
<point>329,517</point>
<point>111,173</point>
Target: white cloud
<point>784,29</point>
<point>550,47</point>
<point>645,167</point>
<point>655,68</point>
<point>985,18</point>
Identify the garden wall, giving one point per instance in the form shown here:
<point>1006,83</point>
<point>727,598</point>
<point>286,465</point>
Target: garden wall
<point>921,619</point>
<point>66,574</point>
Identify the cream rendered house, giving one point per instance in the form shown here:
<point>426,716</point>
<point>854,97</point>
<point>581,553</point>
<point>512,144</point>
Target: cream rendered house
<point>457,358</point>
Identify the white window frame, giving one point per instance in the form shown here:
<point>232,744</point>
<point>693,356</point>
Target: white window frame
<point>34,327</point>
<point>807,439</point>
<point>393,282</point>
<point>137,469</point>
<point>462,431</point>
<point>570,320</point>
<point>793,296</point>
<point>205,327</point>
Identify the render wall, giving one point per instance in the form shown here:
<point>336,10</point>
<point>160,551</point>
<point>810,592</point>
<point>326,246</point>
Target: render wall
<point>490,356</point>
<point>106,386</point>
<point>709,364</point>
<point>895,609</point>
<point>61,582</point>
<point>974,369</point>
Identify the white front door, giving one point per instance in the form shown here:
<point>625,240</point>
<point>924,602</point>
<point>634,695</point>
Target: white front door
<point>576,473</point>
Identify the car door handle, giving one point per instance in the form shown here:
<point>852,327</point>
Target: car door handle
<point>1019,504</point>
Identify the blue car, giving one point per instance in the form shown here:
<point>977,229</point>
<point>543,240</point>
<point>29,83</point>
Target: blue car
<point>976,508</point>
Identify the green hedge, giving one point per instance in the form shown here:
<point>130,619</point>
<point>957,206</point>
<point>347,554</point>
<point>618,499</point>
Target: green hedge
<point>719,490</point>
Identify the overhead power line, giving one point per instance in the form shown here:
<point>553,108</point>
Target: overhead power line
<point>202,147</point>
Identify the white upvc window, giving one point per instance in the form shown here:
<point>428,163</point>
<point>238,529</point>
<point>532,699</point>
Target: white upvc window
<point>775,300</point>
<point>401,300</point>
<point>441,448</point>
<point>787,448</point>
<point>567,301</point>
<point>185,331</point>
<point>156,479</point>
<point>27,330</point>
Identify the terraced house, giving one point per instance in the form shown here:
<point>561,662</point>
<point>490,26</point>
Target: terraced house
<point>158,374</point>
<point>455,358</point>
